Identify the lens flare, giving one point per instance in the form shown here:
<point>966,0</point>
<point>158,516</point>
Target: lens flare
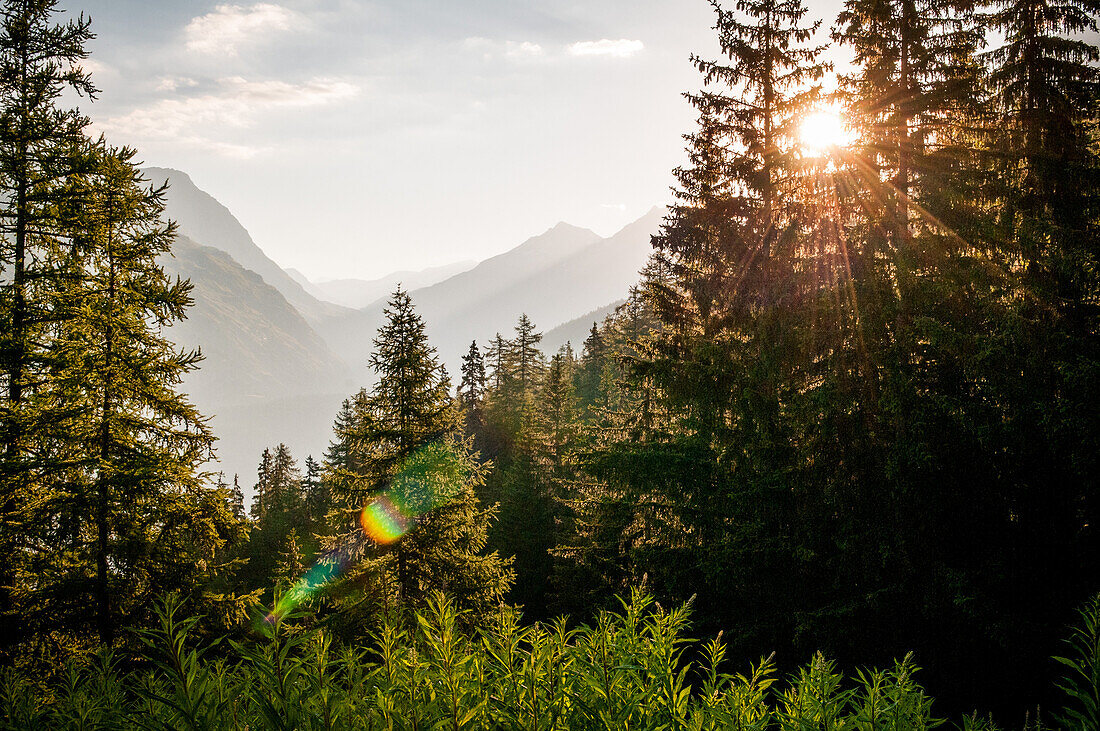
<point>383,521</point>
<point>428,479</point>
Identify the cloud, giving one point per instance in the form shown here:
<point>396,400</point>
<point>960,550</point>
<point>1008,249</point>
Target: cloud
<point>172,83</point>
<point>513,50</point>
<point>526,49</point>
<point>622,48</point>
<point>228,27</point>
<point>204,119</point>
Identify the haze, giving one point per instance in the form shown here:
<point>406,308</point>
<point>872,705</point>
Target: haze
<point>356,138</point>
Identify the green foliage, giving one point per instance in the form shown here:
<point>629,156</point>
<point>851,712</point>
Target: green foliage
<point>1081,684</point>
<point>631,669</point>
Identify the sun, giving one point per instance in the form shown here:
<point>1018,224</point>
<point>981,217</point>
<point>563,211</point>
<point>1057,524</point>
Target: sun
<point>822,131</point>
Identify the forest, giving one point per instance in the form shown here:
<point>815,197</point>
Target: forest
<point>832,465</point>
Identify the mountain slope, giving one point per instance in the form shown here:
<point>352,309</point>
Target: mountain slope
<point>554,278</point>
<point>576,331</point>
<point>203,219</point>
<point>358,293</point>
<point>260,354</point>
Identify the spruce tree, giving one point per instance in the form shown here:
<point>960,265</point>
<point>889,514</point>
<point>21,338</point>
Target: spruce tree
<point>471,391</point>
<point>237,499</point>
<point>404,417</point>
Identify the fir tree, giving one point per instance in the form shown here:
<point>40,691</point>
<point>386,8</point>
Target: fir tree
<point>497,357</point>
<point>407,411</point>
<point>290,564</point>
<point>471,391</point>
<point>237,499</point>
<point>526,360</point>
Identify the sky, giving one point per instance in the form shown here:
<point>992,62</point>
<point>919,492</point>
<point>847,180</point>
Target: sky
<point>354,138</point>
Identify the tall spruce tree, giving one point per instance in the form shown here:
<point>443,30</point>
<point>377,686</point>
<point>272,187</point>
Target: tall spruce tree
<point>409,410</point>
<point>471,390</point>
<point>694,460</point>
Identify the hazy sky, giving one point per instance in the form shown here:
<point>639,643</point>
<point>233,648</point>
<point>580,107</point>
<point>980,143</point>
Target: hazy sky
<point>356,137</point>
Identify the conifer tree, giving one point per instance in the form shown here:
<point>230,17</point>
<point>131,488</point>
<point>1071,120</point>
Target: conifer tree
<point>526,360</point>
<point>263,492</point>
<point>315,493</point>
<point>408,410</point>
<point>471,391</point>
<point>588,374</point>
<point>138,440</point>
<point>497,357</point>
<point>279,507</point>
<point>1045,82</point>
<point>236,502</point>
<point>42,151</point>
<point>290,563</point>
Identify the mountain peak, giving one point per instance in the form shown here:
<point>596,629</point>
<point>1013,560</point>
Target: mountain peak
<point>159,175</point>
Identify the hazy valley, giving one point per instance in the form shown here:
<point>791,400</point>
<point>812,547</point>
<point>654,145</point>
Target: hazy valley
<point>282,352</point>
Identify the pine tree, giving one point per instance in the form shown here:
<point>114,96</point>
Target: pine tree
<point>408,413</point>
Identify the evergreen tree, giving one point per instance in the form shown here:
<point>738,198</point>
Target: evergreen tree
<point>263,493</point>
<point>279,507</point>
<point>497,357</point>
<point>591,365</point>
<point>527,362</point>
<point>236,502</point>
<point>1045,82</point>
<point>290,564</point>
<point>408,411</point>
<point>139,440</point>
<point>42,151</point>
<point>315,492</point>
<point>471,390</point>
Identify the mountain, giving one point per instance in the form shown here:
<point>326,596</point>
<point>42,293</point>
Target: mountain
<point>256,344</point>
<point>267,376</point>
<point>303,280</point>
<point>203,219</point>
<point>554,277</point>
<point>358,293</point>
<point>576,331</point>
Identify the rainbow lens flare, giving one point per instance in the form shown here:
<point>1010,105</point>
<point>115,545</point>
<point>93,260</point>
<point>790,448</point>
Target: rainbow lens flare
<point>383,521</point>
<point>428,479</point>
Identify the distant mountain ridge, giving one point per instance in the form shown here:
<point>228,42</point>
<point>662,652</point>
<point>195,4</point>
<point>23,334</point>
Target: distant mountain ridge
<point>359,293</point>
<point>203,219</point>
<point>267,375</point>
<point>279,358</point>
<point>553,278</point>
<point>576,331</point>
